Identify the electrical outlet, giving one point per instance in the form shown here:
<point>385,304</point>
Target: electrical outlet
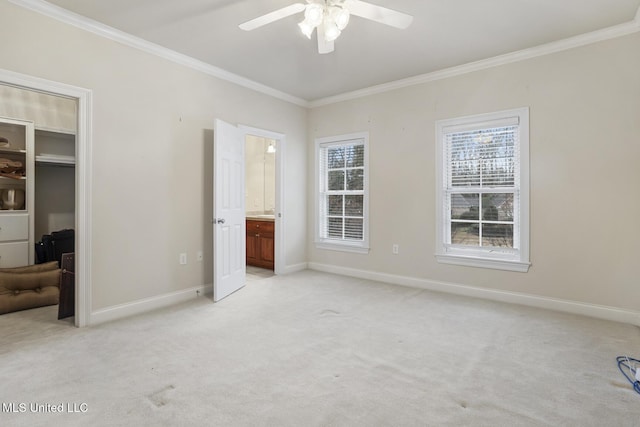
<point>183,259</point>
<point>395,249</point>
<point>200,256</point>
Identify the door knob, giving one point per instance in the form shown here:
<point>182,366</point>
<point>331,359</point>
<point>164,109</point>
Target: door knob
<point>219,220</point>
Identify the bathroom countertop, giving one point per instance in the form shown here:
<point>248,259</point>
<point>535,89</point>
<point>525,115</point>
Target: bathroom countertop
<point>269,218</point>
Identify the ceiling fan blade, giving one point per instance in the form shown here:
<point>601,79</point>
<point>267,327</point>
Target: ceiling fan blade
<point>273,16</point>
<point>323,45</point>
<point>378,13</point>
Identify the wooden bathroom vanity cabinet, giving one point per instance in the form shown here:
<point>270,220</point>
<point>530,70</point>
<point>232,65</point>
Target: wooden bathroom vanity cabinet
<point>260,243</point>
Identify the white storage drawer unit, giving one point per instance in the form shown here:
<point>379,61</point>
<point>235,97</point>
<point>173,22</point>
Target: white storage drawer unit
<point>14,254</point>
<point>14,227</point>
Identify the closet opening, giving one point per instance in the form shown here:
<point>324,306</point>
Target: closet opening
<point>44,139</point>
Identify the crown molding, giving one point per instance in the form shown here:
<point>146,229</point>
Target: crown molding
<point>79,21</point>
<point>520,55</point>
<point>87,24</point>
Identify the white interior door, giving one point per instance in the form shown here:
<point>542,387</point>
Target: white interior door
<point>229,235</point>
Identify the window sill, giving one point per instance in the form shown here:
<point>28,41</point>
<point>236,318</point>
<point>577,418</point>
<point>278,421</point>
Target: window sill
<point>342,247</point>
<point>496,264</point>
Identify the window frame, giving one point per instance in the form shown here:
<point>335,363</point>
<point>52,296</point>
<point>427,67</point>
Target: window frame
<point>321,242</point>
<point>516,259</point>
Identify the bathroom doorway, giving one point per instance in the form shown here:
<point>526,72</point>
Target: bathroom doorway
<point>263,203</point>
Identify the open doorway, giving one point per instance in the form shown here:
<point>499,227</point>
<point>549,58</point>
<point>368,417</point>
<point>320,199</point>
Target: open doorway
<point>263,203</point>
<point>260,199</point>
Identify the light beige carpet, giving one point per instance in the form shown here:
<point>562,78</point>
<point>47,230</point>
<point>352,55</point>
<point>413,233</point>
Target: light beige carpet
<point>312,349</point>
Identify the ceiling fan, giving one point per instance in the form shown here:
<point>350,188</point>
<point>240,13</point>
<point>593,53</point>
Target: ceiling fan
<point>330,17</point>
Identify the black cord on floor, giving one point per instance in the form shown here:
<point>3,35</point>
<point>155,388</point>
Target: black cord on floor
<point>625,362</point>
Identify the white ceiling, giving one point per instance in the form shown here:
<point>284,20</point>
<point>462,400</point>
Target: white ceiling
<point>444,33</point>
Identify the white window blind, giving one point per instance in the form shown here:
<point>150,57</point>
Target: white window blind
<point>480,193</point>
<point>342,193</point>
<point>482,187</point>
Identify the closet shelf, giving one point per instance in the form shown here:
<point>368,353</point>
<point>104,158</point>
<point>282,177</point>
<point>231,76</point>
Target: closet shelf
<point>55,159</point>
<point>8,150</point>
<point>56,132</point>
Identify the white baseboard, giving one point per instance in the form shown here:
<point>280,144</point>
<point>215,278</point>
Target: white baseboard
<point>567,306</point>
<point>136,307</point>
<point>147,304</point>
<point>295,267</point>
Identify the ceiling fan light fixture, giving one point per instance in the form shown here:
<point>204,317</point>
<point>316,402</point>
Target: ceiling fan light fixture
<point>306,28</point>
<point>335,19</point>
<point>340,16</point>
<point>331,31</point>
<point>313,14</point>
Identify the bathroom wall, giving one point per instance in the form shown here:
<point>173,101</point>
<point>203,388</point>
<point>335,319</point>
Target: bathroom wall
<point>260,175</point>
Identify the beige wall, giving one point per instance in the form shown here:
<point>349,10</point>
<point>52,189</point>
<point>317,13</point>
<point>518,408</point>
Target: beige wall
<point>152,153</point>
<point>585,178</point>
<point>46,111</point>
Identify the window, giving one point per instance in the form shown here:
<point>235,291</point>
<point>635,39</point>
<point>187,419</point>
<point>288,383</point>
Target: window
<point>483,190</point>
<point>342,193</point>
